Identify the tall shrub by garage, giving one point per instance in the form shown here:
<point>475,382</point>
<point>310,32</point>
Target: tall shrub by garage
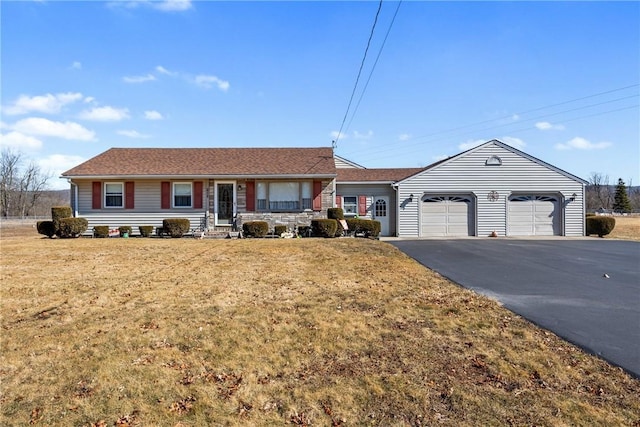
<point>600,225</point>
<point>176,227</point>
<point>366,227</point>
<point>58,213</point>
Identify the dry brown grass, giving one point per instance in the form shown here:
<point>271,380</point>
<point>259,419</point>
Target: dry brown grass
<point>335,332</point>
<point>627,228</point>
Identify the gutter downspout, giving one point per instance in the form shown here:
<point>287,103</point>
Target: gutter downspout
<point>397,222</point>
<point>74,188</point>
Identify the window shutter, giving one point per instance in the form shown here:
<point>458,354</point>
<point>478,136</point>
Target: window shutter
<point>197,195</point>
<point>338,201</point>
<point>129,194</point>
<point>317,195</point>
<point>96,196</point>
<point>362,205</point>
<point>165,197</point>
<point>251,196</point>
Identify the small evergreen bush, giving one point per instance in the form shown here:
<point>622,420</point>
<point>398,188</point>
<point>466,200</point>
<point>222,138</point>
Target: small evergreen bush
<point>324,227</point>
<point>176,227</point>
<point>72,227</point>
<point>47,228</point>
<point>335,213</point>
<point>279,229</point>
<point>57,213</point>
<point>255,228</point>
<point>101,231</point>
<point>600,225</point>
<point>125,229</point>
<point>368,227</point>
<point>146,230</point>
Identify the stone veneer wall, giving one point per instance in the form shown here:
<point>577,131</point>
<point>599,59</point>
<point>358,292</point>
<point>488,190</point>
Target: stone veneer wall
<point>290,219</point>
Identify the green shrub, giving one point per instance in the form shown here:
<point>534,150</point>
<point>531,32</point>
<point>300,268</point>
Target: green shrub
<point>335,213</point>
<point>600,225</point>
<point>324,227</point>
<point>101,231</point>
<point>279,229</point>
<point>176,227</point>
<point>255,228</point>
<point>47,228</point>
<point>57,213</point>
<point>339,229</point>
<point>125,229</point>
<point>367,227</point>
<point>72,227</point>
<point>146,230</point>
<point>304,230</point>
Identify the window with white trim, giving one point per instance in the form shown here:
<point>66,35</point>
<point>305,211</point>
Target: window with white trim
<point>283,195</point>
<point>114,195</point>
<point>350,205</point>
<point>182,195</point>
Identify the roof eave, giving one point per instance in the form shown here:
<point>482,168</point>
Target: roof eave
<point>203,176</point>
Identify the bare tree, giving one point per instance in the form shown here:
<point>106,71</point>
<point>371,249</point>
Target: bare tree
<point>20,188</point>
<point>599,192</point>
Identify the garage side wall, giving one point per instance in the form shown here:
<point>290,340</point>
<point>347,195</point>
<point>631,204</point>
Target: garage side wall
<point>492,174</point>
<point>371,191</point>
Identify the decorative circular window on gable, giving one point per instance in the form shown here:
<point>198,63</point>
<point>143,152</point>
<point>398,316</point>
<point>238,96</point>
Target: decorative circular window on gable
<point>493,161</point>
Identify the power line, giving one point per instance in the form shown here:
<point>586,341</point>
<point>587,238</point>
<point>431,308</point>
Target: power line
<point>355,110</point>
<point>335,143</point>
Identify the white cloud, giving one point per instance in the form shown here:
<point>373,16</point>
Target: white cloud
<point>172,5</point>
<point>49,104</point>
<point>514,142</point>
<point>208,82</point>
<point>76,65</point>
<point>548,126</point>
<point>358,135</point>
<point>89,100</point>
<point>139,79</point>
<point>470,144</point>
<point>440,157</point>
<point>105,114</point>
<point>335,135</point>
<point>153,115</point>
<point>515,117</point>
<point>61,164</point>
<point>404,137</point>
<point>579,143</point>
<point>44,127</point>
<point>132,134</point>
<point>163,70</point>
<point>19,141</point>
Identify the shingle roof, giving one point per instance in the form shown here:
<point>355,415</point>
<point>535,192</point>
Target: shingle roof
<point>375,175</point>
<point>208,161</point>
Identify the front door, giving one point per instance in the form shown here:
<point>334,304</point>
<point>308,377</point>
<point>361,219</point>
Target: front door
<point>225,203</point>
<point>381,213</point>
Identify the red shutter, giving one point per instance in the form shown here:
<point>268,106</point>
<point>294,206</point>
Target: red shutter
<point>251,196</point>
<point>362,205</point>
<point>165,197</point>
<point>129,193</point>
<point>197,195</point>
<point>338,201</point>
<point>96,196</point>
<point>317,195</point>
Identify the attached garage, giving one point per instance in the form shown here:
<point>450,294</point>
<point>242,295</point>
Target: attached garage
<point>534,215</point>
<point>447,216</point>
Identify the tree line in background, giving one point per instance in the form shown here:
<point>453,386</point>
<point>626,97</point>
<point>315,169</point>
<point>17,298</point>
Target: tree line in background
<point>24,192</point>
<point>601,195</point>
<point>23,188</point>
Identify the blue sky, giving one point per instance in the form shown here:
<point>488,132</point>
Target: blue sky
<point>558,80</point>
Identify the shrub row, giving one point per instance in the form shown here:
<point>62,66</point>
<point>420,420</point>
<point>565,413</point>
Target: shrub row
<point>368,227</point>
<point>255,228</point>
<point>333,228</point>
<point>600,225</point>
<point>62,224</point>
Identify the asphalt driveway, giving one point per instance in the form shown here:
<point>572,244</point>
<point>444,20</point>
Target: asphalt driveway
<point>559,284</point>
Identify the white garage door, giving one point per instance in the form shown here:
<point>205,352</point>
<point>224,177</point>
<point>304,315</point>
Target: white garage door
<point>447,216</point>
<point>531,215</point>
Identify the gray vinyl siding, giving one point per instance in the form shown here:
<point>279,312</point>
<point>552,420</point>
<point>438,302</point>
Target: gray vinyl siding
<point>371,191</point>
<point>468,174</point>
<point>146,210</point>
